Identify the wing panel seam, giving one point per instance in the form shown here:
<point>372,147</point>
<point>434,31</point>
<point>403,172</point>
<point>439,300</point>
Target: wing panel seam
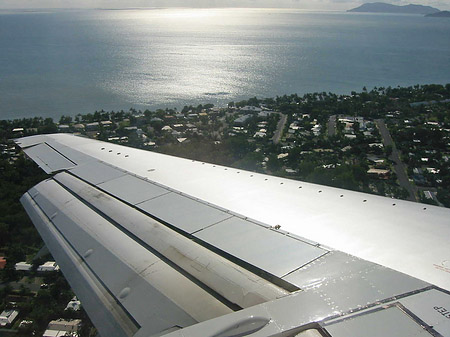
<point>312,261</point>
<point>82,262</point>
<point>61,154</point>
<point>252,268</point>
<point>139,241</point>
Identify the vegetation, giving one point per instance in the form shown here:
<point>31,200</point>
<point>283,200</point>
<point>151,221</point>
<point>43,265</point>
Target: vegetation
<point>19,241</point>
<point>18,238</point>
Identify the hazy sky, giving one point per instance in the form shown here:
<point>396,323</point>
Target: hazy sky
<point>305,4</point>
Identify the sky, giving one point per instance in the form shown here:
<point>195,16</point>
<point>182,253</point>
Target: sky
<point>303,4</point>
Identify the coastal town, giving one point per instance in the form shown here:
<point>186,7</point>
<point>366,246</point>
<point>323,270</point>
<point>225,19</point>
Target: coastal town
<point>393,142</point>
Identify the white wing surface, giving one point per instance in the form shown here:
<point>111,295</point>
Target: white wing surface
<point>158,245</point>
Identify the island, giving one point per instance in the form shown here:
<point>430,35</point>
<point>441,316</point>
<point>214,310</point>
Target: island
<point>381,7</point>
<point>442,14</point>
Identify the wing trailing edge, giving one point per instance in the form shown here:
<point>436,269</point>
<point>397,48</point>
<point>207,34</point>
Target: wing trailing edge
<point>158,245</point>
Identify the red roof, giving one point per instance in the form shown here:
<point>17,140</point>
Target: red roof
<point>2,262</point>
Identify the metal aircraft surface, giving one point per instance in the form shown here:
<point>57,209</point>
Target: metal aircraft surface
<point>155,245</point>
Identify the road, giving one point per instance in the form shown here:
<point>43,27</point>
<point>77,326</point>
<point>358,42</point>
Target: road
<point>280,127</point>
<point>399,167</point>
<point>332,126</point>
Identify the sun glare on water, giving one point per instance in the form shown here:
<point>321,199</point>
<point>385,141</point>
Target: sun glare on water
<point>185,13</point>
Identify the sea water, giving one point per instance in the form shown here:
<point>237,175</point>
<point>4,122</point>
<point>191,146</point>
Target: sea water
<point>65,62</point>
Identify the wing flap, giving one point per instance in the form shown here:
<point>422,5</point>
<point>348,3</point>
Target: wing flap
<point>132,189</point>
<point>183,212</point>
<point>101,306</point>
<point>260,246</point>
<point>231,281</point>
<point>146,287</point>
<point>48,159</point>
<point>97,172</point>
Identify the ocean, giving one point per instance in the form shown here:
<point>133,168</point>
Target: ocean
<point>65,62</point>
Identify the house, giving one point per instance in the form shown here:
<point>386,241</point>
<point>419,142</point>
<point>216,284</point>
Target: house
<point>376,145</point>
<point>240,121</point>
<point>316,129</point>
<point>92,126</point>
<point>25,323</point>
<point>18,130</point>
<point>74,304</point>
<point>251,109</point>
<point>79,127</point>
<point>8,316</point>
<point>63,128</point>
<point>428,195</point>
<point>418,177</point>
<point>323,150</point>
<point>46,267</point>
<point>432,170</point>
<point>330,166</point>
<point>106,124</point>
<point>347,148</point>
<point>265,114</point>
<point>380,173</point>
<point>2,262</point>
<point>61,327</point>
<point>167,118</point>
<point>22,266</point>
<point>260,134</point>
<point>375,159</point>
<point>262,124</point>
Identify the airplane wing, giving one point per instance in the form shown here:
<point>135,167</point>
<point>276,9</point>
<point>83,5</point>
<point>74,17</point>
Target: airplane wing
<point>155,245</point>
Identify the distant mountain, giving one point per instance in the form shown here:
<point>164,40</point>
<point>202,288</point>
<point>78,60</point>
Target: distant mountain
<point>443,14</point>
<point>381,7</point>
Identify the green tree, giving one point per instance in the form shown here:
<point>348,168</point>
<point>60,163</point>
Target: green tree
<point>273,164</point>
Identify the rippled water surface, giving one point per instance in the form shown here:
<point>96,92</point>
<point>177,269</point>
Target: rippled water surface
<point>69,62</point>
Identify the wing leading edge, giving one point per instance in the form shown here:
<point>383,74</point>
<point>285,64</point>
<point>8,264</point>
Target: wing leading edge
<point>155,245</point>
